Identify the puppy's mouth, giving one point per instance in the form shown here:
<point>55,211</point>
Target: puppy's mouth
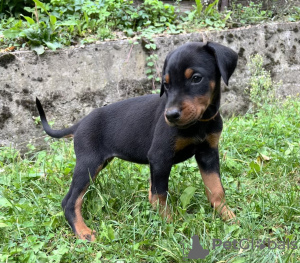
<point>182,124</point>
<point>184,118</point>
<point>187,113</point>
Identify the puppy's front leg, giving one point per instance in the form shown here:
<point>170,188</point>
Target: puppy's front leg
<point>159,188</point>
<point>160,168</point>
<point>207,158</point>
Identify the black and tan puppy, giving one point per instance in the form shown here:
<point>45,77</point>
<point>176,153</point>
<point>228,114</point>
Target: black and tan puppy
<point>182,122</point>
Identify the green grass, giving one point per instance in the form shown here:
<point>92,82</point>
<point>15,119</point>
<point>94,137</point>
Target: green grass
<point>260,168</point>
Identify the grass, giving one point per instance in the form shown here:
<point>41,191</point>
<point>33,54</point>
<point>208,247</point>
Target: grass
<point>260,168</point>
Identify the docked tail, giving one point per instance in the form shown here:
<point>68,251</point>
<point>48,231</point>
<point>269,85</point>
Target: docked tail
<point>54,133</point>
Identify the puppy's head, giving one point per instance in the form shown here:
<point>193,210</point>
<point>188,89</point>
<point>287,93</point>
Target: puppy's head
<point>191,80</point>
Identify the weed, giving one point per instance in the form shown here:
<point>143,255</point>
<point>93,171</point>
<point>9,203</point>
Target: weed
<point>262,89</point>
<point>294,14</point>
<point>61,22</point>
<point>52,24</point>
<point>208,16</point>
<point>250,14</point>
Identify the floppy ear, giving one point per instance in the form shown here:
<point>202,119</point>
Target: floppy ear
<point>226,59</point>
<point>162,87</point>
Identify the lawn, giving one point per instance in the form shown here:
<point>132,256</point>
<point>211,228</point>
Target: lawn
<point>260,167</point>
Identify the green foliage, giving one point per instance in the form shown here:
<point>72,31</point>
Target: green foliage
<point>262,89</point>
<point>37,33</point>
<point>260,169</point>
<point>68,22</point>
<point>162,15</point>
<point>208,16</point>
<point>152,69</point>
<point>13,7</point>
<point>294,14</point>
<point>61,22</point>
<point>251,14</point>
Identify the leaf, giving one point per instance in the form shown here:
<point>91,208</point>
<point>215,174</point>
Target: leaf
<point>199,7</point>
<point>163,19</point>
<point>29,20</point>
<point>130,32</point>
<point>136,246</point>
<point>227,17</point>
<point>52,21</point>
<point>265,157</point>
<point>33,36</point>
<point>5,180</point>
<point>42,6</point>
<point>34,175</point>
<point>239,260</point>
<point>187,195</point>
<point>4,202</point>
<point>153,46</point>
<point>53,45</point>
<point>208,21</point>
<point>2,225</point>
<point>86,17</point>
<point>254,166</point>
<point>231,228</point>
<point>98,256</point>
<point>208,10</point>
<point>68,23</point>
<point>38,49</point>
<point>110,233</point>
<point>12,33</point>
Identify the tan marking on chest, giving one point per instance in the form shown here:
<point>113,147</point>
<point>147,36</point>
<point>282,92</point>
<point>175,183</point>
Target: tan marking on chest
<point>213,139</point>
<point>182,143</point>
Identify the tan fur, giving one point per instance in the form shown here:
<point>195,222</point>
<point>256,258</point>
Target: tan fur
<point>188,73</point>
<point>82,230</point>
<point>216,195</point>
<point>160,200</point>
<point>167,78</point>
<point>213,139</point>
<point>181,143</point>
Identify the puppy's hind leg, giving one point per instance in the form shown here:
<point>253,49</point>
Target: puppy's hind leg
<point>85,170</point>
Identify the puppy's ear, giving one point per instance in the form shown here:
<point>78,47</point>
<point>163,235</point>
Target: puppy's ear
<point>162,87</point>
<point>226,59</point>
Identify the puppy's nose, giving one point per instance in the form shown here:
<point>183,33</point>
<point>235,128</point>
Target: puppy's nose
<point>173,114</point>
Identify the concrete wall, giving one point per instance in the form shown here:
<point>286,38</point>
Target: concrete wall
<point>73,81</point>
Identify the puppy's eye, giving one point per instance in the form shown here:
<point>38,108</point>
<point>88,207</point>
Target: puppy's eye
<point>196,79</point>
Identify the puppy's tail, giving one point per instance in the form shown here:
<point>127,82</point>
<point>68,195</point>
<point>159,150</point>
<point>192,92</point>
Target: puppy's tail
<point>54,133</point>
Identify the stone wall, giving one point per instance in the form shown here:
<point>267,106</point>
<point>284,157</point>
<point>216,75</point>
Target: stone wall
<point>73,81</point>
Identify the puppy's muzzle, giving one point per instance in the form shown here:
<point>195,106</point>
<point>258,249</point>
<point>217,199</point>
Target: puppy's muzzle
<point>173,115</point>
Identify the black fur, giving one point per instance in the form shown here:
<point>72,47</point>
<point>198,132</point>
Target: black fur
<point>136,129</point>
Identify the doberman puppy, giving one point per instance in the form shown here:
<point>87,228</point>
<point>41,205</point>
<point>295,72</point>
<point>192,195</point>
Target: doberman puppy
<point>160,130</point>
